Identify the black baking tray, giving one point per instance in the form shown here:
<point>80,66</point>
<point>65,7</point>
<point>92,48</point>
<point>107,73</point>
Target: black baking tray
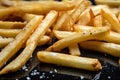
<point>36,70</point>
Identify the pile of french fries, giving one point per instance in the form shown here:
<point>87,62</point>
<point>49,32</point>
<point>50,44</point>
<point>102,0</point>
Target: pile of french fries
<point>75,23</point>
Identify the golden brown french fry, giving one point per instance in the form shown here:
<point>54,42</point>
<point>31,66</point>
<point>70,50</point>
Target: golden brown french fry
<point>74,49</point>
<point>112,19</point>
<point>109,48</point>
<point>20,39</point>
<point>31,44</point>
<point>112,37</point>
<point>43,8</point>
<point>11,25</point>
<point>9,32</point>
<point>23,3</point>
<point>97,21</point>
<point>108,2</point>
<point>69,60</point>
<point>5,41</point>
<point>78,37</point>
<point>70,21</point>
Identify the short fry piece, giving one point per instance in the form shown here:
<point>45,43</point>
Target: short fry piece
<point>78,37</point>
<point>31,44</point>
<point>9,32</point>
<point>20,39</point>
<point>74,49</point>
<point>11,25</point>
<point>109,48</point>
<point>69,60</point>
<point>106,13</point>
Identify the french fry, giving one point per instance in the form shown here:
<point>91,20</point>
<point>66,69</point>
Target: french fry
<point>74,49</point>
<point>108,2</point>
<point>31,44</point>
<point>23,3</point>
<point>70,21</point>
<point>106,13</point>
<point>97,21</point>
<point>40,8</point>
<point>5,41</point>
<point>78,37</point>
<point>112,37</point>
<point>9,32</point>
<point>11,25</point>
<point>20,39</point>
<point>69,60</point>
<point>109,48</point>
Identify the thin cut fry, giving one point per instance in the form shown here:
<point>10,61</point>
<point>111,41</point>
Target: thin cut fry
<point>75,15</point>
<point>108,2</point>
<point>20,39</point>
<point>5,41</point>
<point>78,37</point>
<point>42,8</point>
<point>106,13</point>
<point>74,49</point>
<point>23,3</point>
<point>69,60</point>
<point>11,25</point>
<point>9,32</point>
<point>109,48</point>
<point>31,44</point>
<point>112,37</point>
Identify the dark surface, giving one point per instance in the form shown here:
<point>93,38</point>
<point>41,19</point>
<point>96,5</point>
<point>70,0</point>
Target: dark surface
<point>34,70</point>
